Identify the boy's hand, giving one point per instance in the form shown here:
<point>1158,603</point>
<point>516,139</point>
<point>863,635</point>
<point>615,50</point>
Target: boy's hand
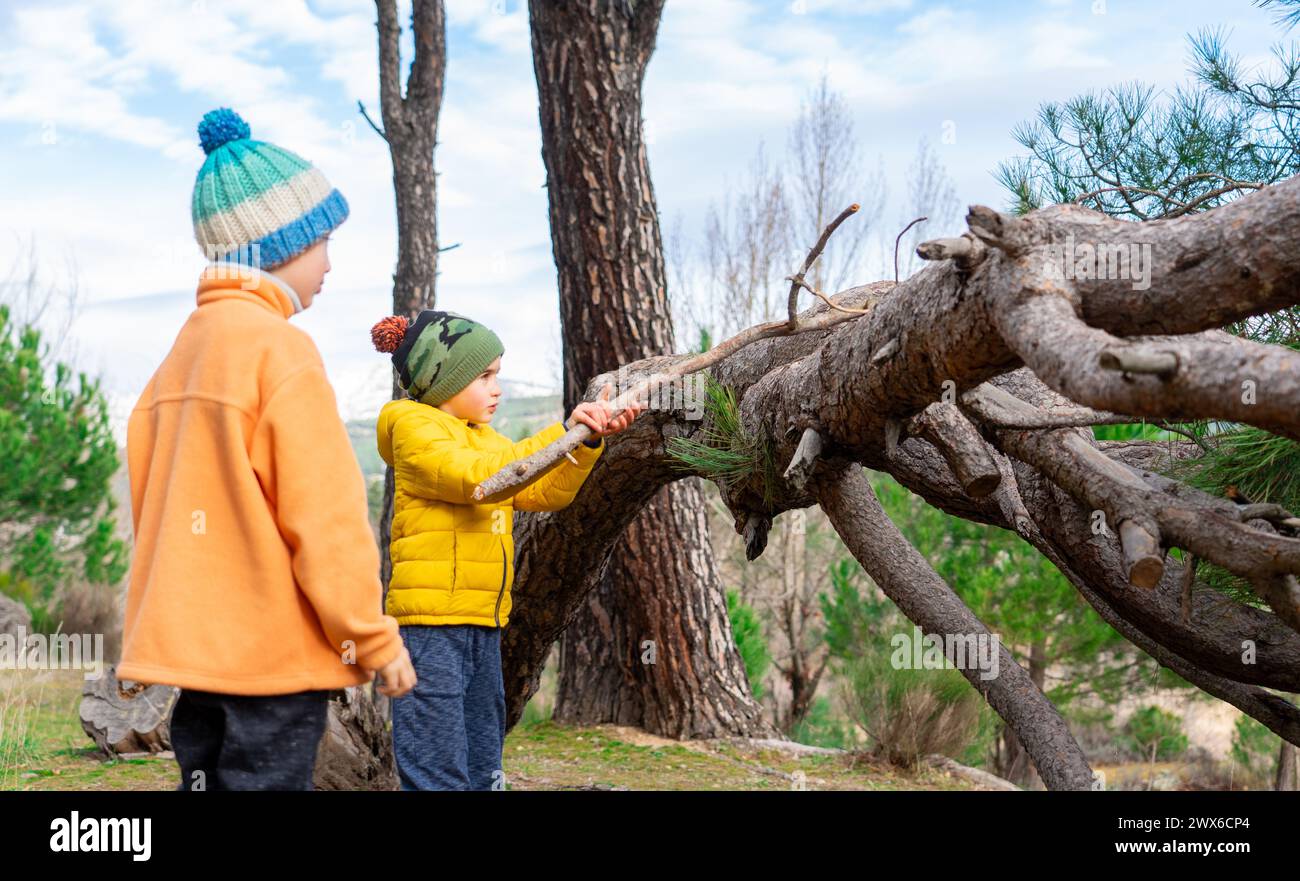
<point>398,677</point>
<point>595,415</point>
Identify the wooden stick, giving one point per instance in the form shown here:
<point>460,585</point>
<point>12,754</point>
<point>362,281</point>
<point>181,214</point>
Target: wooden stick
<point>518,474</point>
<point>521,472</point>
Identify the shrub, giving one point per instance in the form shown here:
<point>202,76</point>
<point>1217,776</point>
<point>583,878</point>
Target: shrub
<point>747,631</point>
<point>1154,734</point>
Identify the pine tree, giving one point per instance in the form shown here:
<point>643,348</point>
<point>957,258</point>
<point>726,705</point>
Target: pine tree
<point>57,461</point>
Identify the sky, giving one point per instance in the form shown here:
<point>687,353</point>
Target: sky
<point>98,151</point>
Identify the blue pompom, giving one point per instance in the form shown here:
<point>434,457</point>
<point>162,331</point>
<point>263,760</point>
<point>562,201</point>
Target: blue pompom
<point>221,126</point>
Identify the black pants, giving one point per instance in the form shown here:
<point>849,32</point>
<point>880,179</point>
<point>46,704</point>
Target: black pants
<point>231,741</point>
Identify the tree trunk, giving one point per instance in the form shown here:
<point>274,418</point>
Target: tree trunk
<point>357,750</point>
<point>410,127</point>
<point>1286,768</point>
<point>651,645</point>
<point>1015,765</point>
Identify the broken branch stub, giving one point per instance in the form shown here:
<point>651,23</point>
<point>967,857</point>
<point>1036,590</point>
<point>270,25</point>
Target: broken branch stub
<point>943,425</point>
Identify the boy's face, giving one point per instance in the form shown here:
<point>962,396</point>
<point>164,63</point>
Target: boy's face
<point>306,272</point>
<point>477,401</point>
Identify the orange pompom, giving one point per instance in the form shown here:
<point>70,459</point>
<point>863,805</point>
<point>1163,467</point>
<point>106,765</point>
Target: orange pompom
<point>388,332</point>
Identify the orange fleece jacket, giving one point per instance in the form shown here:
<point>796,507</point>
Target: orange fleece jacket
<point>255,569</point>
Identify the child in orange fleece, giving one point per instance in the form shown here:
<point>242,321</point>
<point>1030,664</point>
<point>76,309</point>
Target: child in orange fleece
<point>453,558</point>
<point>255,579</point>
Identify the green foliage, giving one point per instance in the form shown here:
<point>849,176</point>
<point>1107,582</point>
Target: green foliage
<point>1245,463</point>
<point>57,460</point>
<point>1133,431</point>
<point>729,455</point>
<point>1018,593</point>
<point>1128,153</point>
<point>1255,749</point>
<point>1251,463</point>
<point>747,632</point>
<point>1289,15</point>
<point>906,714</point>
<point>853,618</point>
<point>821,726</point>
<point>1152,729</point>
<point>1169,156</point>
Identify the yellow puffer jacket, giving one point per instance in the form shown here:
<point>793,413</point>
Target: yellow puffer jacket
<point>453,561</point>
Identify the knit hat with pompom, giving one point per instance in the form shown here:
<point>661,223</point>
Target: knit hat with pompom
<point>255,203</point>
<point>437,355</point>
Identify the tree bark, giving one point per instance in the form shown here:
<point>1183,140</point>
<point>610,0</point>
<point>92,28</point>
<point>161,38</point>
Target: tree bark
<point>651,644</point>
<point>1015,765</point>
<point>1285,780</point>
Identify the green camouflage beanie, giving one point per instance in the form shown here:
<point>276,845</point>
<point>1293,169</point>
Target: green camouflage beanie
<point>441,353</point>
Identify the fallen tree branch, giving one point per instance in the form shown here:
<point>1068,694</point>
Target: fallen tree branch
<point>813,253</point>
<point>997,409</point>
<point>906,578</point>
<point>942,328</point>
<point>974,775</point>
<point>1209,375</point>
<point>1141,514</point>
<point>1223,625</point>
<point>1278,714</point>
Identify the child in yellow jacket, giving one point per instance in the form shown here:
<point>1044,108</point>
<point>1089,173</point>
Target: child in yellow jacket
<point>453,560</point>
<point>254,582</point>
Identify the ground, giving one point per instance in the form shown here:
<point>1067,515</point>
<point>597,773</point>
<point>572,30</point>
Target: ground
<point>42,746</point>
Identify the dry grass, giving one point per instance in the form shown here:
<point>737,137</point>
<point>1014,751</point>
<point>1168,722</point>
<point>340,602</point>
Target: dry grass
<point>45,748</point>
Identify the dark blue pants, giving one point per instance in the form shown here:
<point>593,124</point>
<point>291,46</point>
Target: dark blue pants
<point>232,741</point>
<point>449,730</point>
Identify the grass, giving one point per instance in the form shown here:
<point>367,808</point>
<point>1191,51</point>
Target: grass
<point>728,454</point>
<point>548,755</point>
<point>42,746</point>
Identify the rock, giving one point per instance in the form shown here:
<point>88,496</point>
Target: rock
<point>15,620</point>
<point>127,717</point>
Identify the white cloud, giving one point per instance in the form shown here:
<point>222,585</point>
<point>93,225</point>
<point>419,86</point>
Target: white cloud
<point>56,76</point>
<point>497,23</point>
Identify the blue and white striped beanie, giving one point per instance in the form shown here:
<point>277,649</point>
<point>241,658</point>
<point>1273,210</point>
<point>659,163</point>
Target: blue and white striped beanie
<point>255,203</point>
